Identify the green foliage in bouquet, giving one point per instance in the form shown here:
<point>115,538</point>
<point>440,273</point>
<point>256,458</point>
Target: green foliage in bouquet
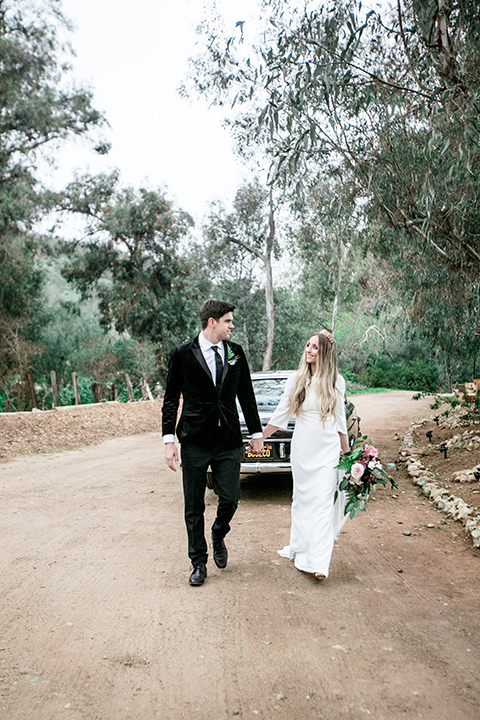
<point>363,472</point>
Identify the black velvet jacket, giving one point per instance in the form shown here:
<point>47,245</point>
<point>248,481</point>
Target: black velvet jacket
<point>207,414</point>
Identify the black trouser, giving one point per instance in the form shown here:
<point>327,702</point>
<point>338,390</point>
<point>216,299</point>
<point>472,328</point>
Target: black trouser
<point>225,466</point>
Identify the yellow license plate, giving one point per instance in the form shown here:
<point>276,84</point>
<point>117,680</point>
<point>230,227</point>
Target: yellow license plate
<point>267,452</point>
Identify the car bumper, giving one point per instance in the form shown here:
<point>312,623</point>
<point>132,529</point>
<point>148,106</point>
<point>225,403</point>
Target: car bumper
<point>264,467</point>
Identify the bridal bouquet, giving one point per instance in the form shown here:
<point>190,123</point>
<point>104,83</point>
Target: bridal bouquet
<point>363,471</point>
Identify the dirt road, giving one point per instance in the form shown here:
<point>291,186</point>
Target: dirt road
<point>98,621</point>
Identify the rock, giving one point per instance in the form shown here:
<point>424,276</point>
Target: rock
<point>463,512</point>
<point>421,481</point>
<point>407,532</point>
<point>458,476</point>
<point>427,489</point>
<point>415,468</point>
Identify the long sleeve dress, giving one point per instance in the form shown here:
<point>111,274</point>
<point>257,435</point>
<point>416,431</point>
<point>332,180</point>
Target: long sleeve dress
<point>315,451</point>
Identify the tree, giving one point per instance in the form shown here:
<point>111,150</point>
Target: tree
<point>130,257</point>
<point>326,234</point>
<point>39,110</point>
<point>251,226</point>
<point>391,100</point>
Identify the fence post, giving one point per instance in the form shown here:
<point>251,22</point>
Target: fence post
<point>114,392</point>
<point>76,389</point>
<point>53,379</point>
<point>31,387</point>
<point>130,395</point>
<point>146,392</point>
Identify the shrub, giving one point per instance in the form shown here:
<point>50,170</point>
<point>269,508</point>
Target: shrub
<point>67,395</point>
<point>414,375</point>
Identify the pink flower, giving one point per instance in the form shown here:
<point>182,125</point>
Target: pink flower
<point>371,451</point>
<point>357,471</point>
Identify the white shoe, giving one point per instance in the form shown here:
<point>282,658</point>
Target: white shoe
<point>286,553</point>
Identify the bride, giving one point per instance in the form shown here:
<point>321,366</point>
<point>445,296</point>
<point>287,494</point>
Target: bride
<point>315,394</point>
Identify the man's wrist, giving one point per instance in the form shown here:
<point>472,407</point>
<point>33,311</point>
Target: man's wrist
<point>168,439</point>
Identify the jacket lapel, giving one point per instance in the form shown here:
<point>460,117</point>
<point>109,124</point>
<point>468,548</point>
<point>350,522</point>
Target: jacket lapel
<point>199,355</point>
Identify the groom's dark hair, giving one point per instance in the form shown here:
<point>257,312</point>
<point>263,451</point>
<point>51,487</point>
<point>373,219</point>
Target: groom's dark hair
<point>214,309</point>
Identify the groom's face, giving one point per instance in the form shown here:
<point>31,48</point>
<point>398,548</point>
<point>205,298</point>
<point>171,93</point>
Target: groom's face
<point>224,326</point>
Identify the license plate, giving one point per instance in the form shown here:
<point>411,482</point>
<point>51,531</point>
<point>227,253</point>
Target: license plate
<point>267,452</point>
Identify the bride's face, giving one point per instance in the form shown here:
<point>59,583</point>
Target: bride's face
<point>311,350</point>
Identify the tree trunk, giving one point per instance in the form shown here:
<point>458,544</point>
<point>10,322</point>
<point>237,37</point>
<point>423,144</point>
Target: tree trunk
<point>130,395</point>
<point>268,351</point>
<point>53,378</point>
<point>146,392</point>
<point>97,390</point>
<point>31,388</point>
<point>448,373</point>
<point>343,250</point>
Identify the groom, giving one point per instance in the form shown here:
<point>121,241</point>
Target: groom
<point>210,372</point>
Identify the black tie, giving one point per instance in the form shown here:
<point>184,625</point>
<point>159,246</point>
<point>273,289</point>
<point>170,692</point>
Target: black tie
<point>218,366</point>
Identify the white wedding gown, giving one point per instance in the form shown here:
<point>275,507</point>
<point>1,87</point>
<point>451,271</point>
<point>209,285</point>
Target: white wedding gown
<point>315,451</point>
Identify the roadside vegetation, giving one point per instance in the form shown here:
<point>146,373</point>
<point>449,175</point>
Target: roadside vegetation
<point>360,135</point>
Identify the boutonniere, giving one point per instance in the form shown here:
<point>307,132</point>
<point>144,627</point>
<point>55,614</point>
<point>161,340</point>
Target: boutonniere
<point>231,357</point>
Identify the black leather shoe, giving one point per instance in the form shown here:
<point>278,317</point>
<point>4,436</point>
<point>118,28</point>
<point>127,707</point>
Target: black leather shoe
<point>220,553</point>
<point>198,575</point>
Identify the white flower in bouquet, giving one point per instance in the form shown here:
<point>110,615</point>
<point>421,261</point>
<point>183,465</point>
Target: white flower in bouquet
<point>357,471</point>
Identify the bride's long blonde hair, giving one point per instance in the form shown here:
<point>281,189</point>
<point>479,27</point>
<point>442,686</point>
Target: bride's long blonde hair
<point>323,381</point>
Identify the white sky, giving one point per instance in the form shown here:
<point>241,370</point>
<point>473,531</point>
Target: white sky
<point>134,57</point>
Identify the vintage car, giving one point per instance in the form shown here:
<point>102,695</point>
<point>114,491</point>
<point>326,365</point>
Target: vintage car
<point>268,388</point>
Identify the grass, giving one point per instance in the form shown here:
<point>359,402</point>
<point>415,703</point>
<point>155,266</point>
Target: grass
<point>362,390</point>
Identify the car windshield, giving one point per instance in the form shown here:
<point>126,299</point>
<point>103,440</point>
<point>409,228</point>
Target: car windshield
<point>268,392</point>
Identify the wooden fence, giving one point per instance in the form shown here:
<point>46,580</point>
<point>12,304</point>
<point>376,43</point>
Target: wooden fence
<point>24,392</point>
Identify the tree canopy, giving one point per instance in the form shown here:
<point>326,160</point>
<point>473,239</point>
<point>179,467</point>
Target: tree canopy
<point>130,256</point>
<point>41,106</point>
<point>387,102</point>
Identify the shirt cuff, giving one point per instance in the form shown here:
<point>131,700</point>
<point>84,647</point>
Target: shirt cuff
<point>168,439</point>
<point>257,436</point>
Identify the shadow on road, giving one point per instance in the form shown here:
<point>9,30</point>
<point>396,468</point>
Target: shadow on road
<point>269,486</point>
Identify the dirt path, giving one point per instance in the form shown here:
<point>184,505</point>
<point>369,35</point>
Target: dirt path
<point>98,621</point>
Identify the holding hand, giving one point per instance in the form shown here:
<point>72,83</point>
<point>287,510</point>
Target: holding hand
<point>256,446</point>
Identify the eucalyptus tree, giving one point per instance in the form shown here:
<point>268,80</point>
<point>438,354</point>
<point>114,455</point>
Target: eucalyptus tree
<point>391,97</point>
<point>251,229</point>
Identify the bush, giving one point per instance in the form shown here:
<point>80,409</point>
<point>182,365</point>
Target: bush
<point>67,395</point>
<point>420,375</point>
<point>414,375</point>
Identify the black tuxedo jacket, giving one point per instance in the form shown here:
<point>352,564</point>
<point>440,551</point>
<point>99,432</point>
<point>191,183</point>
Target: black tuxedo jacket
<point>207,414</point>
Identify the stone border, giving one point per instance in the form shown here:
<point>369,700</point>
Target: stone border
<point>428,483</point>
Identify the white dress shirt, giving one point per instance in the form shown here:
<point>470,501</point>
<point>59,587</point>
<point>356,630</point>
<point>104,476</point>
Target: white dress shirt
<point>209,354</point>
